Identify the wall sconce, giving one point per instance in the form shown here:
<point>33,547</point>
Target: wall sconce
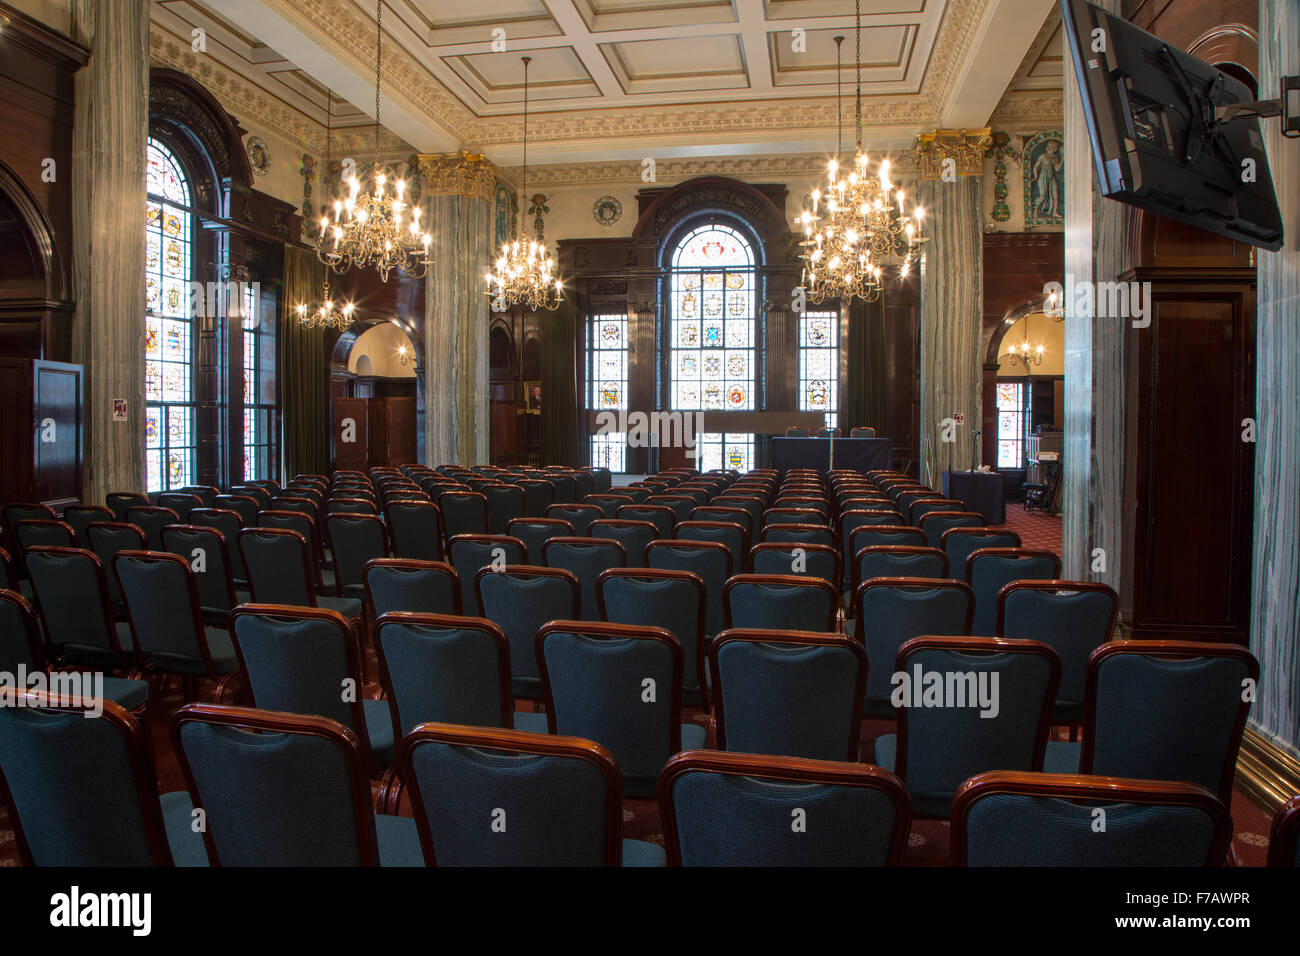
<point>403,355</point>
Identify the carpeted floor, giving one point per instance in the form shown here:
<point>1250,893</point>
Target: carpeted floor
<point>1036,530</point>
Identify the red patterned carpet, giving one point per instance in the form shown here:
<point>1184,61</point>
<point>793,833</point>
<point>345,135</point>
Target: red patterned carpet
<point>1036,530</point>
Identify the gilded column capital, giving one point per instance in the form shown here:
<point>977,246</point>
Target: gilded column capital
<point>456,174</point>
<point>966,147</point>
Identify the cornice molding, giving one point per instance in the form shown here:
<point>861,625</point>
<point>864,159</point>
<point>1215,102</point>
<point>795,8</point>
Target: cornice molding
<point>670,172</point>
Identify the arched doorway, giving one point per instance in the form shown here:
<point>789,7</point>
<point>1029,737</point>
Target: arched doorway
<point>376,384</point>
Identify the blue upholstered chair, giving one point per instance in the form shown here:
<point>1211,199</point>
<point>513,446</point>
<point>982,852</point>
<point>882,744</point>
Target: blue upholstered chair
<point>208,555</point>
<point>585,558</point>
<point>602,479</point>
<point>207,494</point>
<point>889,612</point>
<point>992,711</point>
<point>355,539</point>
<point>580,516</point>
<point>416,530</point>
<point>732,536</point>
<point>279,567</point>
<point>26,511</point>
<point>322,580</point>
<point>566,488</point>
<point>805,501</point>
<point>620,686</point>
<point>259,495</point>
<point>867,536</point>
<point>519,600</point>
<point>534,532</point>
<point>634,536</point>
<point>959,543</point>
<point>939,521</point>
<point>607,503</point>
<point>557,800</point>
<point>1284,837</point>
<point>788,693</point>
<point>680,505</point>
<point>660,516</point>
<point>304,660</point>
<point>862,431</point>
<point>181,502</point>
<point>284,789</point>
<point>463,512</point>
<point>783,602</point>
<point>673,600</point>
<point>31,533</point>
<point>708,561</point>
<point>340,505</point>
<point>797,431</point>
<point>813,560</point>
<point>855,518</point>
<point>467,553</point>
<point>504,503</point>
<point>727,514</point>
<point>1165,710</point>
<point>636,492</point>
<point>538,496</point>
<point>80,789</point>
<point>736,809</point>
<point>898,561</point>
<point>793,516</point>
<point>450,669</point>
<point>227,522</point>
<point>989,570</point>
<point>167,629</point>
<point>798,534</point>
<point>752,504</point>
<point>584,483</point>
<point>119,501</point>
<point>151,519</point>
<point>923,506</point>
<point>21,646</point>
<point>1074,617</point>
<point>404,584</point>
<point>79,518</point>
<point>107,538</point>
<point>1003,818</point>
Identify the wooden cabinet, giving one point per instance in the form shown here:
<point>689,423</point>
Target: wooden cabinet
<point>41,431</point>
<point>369,432</point>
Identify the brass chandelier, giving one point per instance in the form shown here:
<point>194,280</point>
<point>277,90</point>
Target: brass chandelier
<point>525,272</point>
<point>374,227</point>
<point>859,224</point>
<point>326,317</point>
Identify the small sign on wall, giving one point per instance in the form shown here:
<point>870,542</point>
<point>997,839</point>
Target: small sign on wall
<point>119,409</point>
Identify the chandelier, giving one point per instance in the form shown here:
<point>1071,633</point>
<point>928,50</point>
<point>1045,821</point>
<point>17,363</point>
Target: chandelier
<point>524,272</point>
<point>374,227</point>
<point>326,317</point>
<point>861,224</point>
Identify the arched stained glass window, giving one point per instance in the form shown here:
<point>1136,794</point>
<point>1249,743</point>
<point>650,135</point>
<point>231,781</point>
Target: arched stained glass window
<point>169,340</point>
<point>713,334</point>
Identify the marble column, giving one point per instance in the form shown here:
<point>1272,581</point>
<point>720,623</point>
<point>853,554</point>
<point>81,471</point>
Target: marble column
<point>952,284</point>
<point>1275,583</point>
<point>457,193</point>
<point>108,200</point>
<point>1093,509</point>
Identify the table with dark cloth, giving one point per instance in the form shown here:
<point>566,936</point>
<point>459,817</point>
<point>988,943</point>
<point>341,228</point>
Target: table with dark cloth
<point>860,454</point>
<point>980,491</point>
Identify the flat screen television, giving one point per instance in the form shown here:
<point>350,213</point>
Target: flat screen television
<point>1156,141</point>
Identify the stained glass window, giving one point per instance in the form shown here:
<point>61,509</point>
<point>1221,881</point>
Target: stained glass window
<point>261,451</point>
<point>607,349</point>
<point>1013,418</point>
<point>169,339</point>
<point>819,364</point>
<point>712,337</point>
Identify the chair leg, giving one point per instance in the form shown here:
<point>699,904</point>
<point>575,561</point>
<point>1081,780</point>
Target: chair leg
<point>389,798</point>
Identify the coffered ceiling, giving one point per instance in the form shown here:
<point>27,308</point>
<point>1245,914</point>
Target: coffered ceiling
<point>623,79</point>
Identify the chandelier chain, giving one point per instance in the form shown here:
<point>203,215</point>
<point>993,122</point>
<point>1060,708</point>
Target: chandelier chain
<point>379,62</point>
<point>839,110</point>
<point>857,11</point>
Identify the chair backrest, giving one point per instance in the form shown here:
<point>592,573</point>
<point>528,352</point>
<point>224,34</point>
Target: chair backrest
<point>260,495</point>
<point>1074,617</point>
<point>534,532</point>
<point>726,513</point>
<point>783,602</point>
<point>162,602</point>
<point>673,600</point>
<point>787,516</point>
<point>797,431</point>
<point>632,535</point>
<point>1005,818</point>
<point>206,494</point>
<point>467,553</point>
<point>735,809</point>
<point>107,538</point>
<point>989,570</point>
<point>1284,837</point>
<point>1170,710</point>
<point>355,506</point>
<point>867,536</point>
<point>356,539</point>
<point>301,660</point>
<point>228,523</point>
<point>898,561</point>
<point>889,612</point>
<point>967,705</point>
<point>54,534</point>
<point>959,543</point>
<point>814,560</point>
<point>538,495</point>
<point>504,503</point>
<point>936,523</point>
<point>580,516</point>
<point>311,764</point>
<point>586,558</point>
<point>181,502</point>
<point>78,782</point>
<point>416,529</point>
<point>805,501</point>
<point>278,562</point>
<point>560,798</point>
<point>862,431</point>
<point>733,536</point>
<point>707,560</point>
<point>566,487</point>
<point>405,584</point>
<point>445,668</point>
<point>920,507</point>
<point>79,518</point>
<point>660,516</point>
<point>619,685</point>
<point>207,553</point>
<point>463,512</point>
<point>119,501</point>
<point>607,503</point>
<point>789,693</point>
<point>798,534</point>
<point>20,637</point>
<point>520,599</point>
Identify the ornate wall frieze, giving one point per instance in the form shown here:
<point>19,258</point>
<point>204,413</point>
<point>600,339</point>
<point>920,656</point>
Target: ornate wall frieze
<point>456,174</point>
<point>965,147</point>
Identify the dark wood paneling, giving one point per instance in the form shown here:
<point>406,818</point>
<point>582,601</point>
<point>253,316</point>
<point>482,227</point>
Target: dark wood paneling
<point>41,431</point>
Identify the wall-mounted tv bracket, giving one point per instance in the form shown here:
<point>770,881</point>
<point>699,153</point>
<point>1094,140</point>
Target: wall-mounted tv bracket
<point>1287,106</point>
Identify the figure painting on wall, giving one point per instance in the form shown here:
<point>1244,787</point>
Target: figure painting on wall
<point>1045,180</point>
<point>507,210</point>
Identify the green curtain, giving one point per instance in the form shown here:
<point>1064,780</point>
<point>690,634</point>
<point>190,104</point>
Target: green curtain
<point>863,401</point>
<point>560,385</point>
<point>304,398</point>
